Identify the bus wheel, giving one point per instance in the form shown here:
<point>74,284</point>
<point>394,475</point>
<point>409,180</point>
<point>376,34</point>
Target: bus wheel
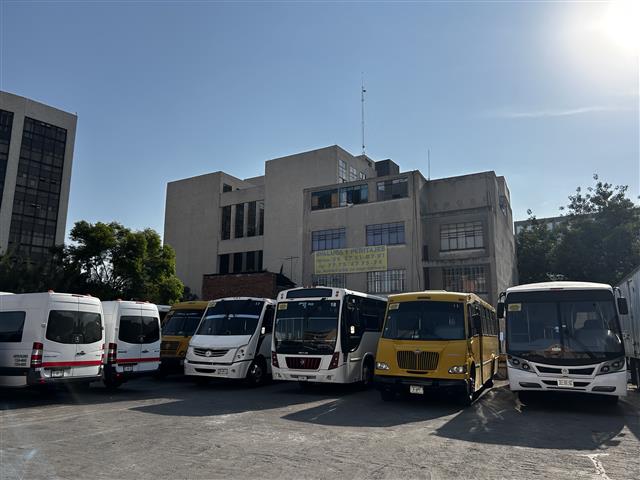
<point>256,375</point>
<point>468,392</point>
<point>387,395</point>
<point>367,374</point>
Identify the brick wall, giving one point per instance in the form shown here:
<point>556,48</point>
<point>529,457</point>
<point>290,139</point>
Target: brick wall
<point>261,284</point>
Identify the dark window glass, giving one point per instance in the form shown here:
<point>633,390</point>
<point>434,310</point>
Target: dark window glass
<point>237,262</point>
<point>388,281</point>
<point>461,236</point>
<point>385,234</point>
<point>226,188</point>
<point>308,326</point>
<point>251,262</point>
<point>231,317</point>
<point>223,263</point>
<point>11,325</point>
<point>354,195</point>
<point>260,218</point>
<point>324,199</point>
<point>150,329</point>
<point>139,330</point>
<point>251,219</point>
<point>182,322</point>
<point>74,327</point>
<point>6,123</point>
<point>226,223</point>
<point>259,260</point>
<point>391,189</point>
<point>239,232</point>
<point>425,320</point>
<point>267,323</point>
<point>328,239</point>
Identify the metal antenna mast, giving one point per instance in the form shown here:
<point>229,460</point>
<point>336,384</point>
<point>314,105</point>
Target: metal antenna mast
<point>362,92</point>
<point>428,164</point>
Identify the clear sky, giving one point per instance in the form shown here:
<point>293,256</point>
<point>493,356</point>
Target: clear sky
<point>539,92</point>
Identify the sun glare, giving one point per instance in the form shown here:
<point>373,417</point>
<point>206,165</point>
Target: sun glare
<point>622,23</point>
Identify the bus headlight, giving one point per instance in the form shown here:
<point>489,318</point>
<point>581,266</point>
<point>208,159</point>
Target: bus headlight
<point>382,366</point>
<point>613,366</point>
<point>241,352</point>
<point>458,369</point>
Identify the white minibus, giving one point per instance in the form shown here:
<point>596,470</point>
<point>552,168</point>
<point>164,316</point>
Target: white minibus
<point>326,335</point>
<point>132,336</point>
<point>50,338</point>
<point>565,337</point>
<point>233,340</point>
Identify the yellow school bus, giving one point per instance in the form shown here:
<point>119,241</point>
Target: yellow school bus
<point>177,329</point>
<point>437,340</point>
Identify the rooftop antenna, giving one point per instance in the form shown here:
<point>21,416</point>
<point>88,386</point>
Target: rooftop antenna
<point>428,164</point>
<point>362,92</point>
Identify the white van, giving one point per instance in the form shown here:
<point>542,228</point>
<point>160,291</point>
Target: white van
<point>233,340</point>
<point>132,336</point>
<point>50,338</point>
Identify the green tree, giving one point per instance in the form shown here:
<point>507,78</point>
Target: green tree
<point>121,263</point>
<point>535,246</point>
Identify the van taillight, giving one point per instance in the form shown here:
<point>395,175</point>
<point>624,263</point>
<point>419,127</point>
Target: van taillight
<point>36,355</point>
<point>112,354</point>
<point>334,361</point>
<point>274,359</point>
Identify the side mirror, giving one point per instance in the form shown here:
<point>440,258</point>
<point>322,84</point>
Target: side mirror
<point>500,312</point>
<point>477,323</point>
<point>623,307</point>
<point>263,330</point>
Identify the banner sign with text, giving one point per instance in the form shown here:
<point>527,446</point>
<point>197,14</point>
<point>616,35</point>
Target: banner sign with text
<point>351,260</point>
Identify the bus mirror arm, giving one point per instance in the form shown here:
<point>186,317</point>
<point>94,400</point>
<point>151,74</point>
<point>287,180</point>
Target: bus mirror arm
<point>500,310</point>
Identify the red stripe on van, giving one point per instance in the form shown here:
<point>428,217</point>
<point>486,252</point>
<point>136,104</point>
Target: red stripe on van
<point>138,360</point>
<point>83,363</point>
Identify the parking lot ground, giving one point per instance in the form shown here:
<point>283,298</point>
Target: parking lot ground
<point>175,429</point>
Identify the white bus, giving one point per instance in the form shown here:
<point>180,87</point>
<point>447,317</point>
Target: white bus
<point>232,341</point>
<point>326,335</point>
<point>564,336</point>
<point>48,338</point>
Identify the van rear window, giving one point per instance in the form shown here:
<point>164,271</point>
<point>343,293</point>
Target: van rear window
<point>74,327</point>
<point>134,329</point>
<point>11,326</point>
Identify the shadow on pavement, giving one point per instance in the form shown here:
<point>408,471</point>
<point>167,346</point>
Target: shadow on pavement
<point>563,421</point>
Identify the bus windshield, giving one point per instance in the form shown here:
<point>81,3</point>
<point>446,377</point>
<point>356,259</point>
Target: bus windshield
<point>231,317</point>
<point>307,326</point>
<point>425,320</point>
<point>181,322</point>
<point>563,327</point>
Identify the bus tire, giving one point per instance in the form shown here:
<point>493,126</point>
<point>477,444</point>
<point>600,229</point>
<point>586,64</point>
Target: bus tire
<point>367,373</point>
<point>387,395</point>
<point>468,394</point>
<point>257,372</point>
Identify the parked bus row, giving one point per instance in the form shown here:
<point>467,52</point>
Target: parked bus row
<point>562,336</point>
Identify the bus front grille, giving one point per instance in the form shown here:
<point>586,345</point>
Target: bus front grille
<point>410,360</point>
<point>202,352</point>
<point>303,363</point>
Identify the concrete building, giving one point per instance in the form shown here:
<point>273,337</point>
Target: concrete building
<point>327,217</point>
<point>36,156</point>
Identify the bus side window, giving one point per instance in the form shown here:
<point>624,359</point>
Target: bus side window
<point>371,315</point>
<point>267,323</point>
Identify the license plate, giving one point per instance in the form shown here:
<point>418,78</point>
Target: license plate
<point>128,368</point>
<point>223,371</point>
<point>302,378</point>
<point>565,382</point>
<point>417,389</point>
<point>57,373</point>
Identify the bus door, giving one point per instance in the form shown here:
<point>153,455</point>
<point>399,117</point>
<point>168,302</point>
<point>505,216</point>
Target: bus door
<point>476,340</point>
<point>352,331</point>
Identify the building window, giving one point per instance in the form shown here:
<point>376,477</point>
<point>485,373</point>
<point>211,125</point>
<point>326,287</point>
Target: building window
<point>353,174</point>
<point>363,176</point>
<point>38,184</point>
<point>226,223</point>
<point>342,171</point>
<point>461,236</point>
<point>385,234</point>
<point>338,280</point>
<point>386,282</point>
<point>340,197</point>
<point>226,188</point>
<point>354,195</point>
<point>259,268</point>
<point>390,189</point>
<point>223,263</point>
<point>237,262</point>
<point>251,262</point>
<point>251,220</point>
<point>465,279</point>
<point>328,239</point>
<point>260,218</point>
<point>239,232</point>
<point>6,122</point>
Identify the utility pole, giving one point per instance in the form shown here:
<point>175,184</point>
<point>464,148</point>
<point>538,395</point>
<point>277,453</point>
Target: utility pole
<point>362,92</point>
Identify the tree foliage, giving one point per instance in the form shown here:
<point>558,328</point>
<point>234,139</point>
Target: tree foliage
<point>108,261</point>
<point>599,240</point>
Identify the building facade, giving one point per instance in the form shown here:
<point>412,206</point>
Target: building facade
<point>327,217</point>
<point>36,156</point>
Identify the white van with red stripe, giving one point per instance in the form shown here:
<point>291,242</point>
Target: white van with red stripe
<point>132,337</point>
<point>50,338</point>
